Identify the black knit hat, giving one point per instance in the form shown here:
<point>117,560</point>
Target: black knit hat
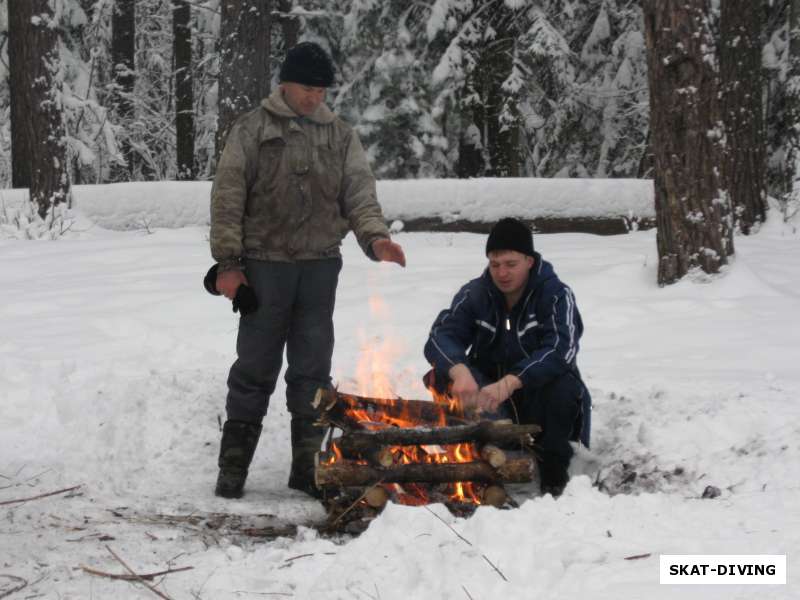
<point>510,234</point>
<point>308,64</point>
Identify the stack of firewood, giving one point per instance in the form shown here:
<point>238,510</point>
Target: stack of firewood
<point>378,437</point>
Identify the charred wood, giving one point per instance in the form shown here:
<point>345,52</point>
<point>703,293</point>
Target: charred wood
<point>361,442</point>
<point>334,405</point>
<point>343,473</point>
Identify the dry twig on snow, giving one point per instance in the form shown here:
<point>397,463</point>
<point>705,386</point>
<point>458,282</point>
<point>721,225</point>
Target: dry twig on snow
<point>21,583</point>
<point>127,577</point>
<point>466,541</point>
<point>138,578</point>
<point>638,556</point>
<point>64,491</point>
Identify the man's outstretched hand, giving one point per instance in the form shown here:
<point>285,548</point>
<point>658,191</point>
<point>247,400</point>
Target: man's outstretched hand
<point>386,250</point>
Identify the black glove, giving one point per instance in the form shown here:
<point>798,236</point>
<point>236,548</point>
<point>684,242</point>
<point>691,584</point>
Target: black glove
<point>245,300</point>
<point>210,280</point>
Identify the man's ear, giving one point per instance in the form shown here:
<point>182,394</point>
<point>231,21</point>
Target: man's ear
<point>531,261</point>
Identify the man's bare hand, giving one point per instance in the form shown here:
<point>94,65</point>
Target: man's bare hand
<point>465,388</point>
<point>490,397</point>
<point>229,281</point>
<point>386,250</point>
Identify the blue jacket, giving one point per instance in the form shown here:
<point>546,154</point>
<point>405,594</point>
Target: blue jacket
<point>537,340</point>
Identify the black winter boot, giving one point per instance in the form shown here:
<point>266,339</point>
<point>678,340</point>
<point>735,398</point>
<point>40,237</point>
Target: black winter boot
<point>553,476</point>
<point>306,442</point>
<point>239,441</point>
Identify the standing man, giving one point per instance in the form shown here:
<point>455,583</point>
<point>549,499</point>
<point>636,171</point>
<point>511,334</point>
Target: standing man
<point>508,345</point>
<point>292,180</point>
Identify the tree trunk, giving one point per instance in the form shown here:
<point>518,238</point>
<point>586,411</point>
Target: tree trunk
<point>123,27</point>
<point>37,122</point>
<point>792,165</point>
<point>244,77</point>
<point>692,210</point>
<point>502,115</point>
<point>184,102</point>
<point>290,25</point>
<point>740,79</point>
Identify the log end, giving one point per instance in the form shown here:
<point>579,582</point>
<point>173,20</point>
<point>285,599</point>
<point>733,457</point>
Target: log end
<point>493,455</point>
<point>317,398</point>
<point>494,495</point>
<point>376,496</point>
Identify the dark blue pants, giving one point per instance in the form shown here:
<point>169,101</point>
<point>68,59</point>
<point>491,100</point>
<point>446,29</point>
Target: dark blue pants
<point>295,311</point>
<point>562,407</point>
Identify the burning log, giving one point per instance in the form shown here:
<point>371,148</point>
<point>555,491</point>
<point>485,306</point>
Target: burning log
<point>363,443</point>
<point>415,452</point>
<point>343,473</point>
<point>335,406</point>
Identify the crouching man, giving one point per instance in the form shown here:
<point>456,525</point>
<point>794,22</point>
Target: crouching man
<point>507,347</point>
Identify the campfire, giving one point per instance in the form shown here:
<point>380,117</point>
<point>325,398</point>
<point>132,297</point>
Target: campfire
<point>416,452</point>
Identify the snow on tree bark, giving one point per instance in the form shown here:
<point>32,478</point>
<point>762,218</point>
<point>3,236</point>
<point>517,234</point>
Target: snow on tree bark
<point>290,24</point>
<point>38,133</point>
<point>184,102</point>
<point>123,48</point>
<point>792,151</point>
<point>244,74</point>
<point>740,94</point>
<point>692,210</point>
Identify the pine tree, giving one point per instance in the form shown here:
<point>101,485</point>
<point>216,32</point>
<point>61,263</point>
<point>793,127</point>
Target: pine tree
<point>692,211</point>
<point>244,73</point>
<point>123,49</point>
<point>740,94</point>
<point>478,78</point>
<point>184,104</point>
<point>37,125</point>
<point>384,91</point>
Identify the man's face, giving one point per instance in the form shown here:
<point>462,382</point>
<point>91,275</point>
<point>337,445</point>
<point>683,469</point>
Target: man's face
<point>509,270</point>
<point>302,99</point>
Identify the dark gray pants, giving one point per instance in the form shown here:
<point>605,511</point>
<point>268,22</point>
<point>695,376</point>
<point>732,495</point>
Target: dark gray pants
<point>295,310</point>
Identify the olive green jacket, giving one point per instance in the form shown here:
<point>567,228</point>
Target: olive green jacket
<point>290,188</point>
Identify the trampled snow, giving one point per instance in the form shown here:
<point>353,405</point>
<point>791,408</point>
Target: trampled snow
<point>114,361</point>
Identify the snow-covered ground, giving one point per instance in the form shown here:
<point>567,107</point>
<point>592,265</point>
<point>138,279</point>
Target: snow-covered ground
<point>113,362</point>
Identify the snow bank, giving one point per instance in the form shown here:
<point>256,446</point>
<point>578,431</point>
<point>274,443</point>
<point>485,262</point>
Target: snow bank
<point>172,204</point>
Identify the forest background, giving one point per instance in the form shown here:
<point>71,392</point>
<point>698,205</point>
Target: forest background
<point>436,88</point>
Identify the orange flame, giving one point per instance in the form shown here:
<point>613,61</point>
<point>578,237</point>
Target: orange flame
<point>378,358</point>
